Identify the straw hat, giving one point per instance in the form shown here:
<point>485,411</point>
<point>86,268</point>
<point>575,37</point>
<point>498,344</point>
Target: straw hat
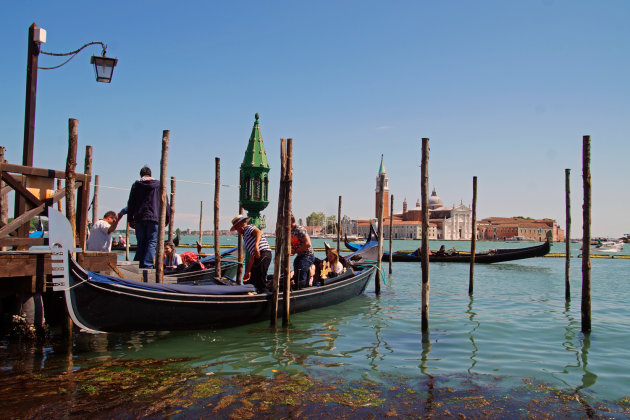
<point>237,220</point>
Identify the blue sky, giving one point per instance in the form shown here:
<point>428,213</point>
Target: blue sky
<point>505,90</point>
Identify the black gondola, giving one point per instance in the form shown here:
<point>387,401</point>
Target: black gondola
<point>100,303</point>
<point>487,257</point>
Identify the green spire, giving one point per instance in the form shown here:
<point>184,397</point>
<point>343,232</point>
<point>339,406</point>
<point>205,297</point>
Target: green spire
<point>254,189</point>
<point>382,168</point>
<point>255,156</point>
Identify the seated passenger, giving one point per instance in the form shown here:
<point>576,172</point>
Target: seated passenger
<point>333,264</point>
<point>171,260</point>
<point>441,251</point>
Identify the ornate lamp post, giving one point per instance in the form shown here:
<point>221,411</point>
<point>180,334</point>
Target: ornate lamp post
<point>254,190</point>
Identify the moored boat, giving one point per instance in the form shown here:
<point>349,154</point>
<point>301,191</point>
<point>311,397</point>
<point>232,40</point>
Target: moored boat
<point>101,303</point>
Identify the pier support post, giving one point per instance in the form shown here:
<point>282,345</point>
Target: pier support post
<point>159,252</point>
<point>84,199</point>
<point>239,268</point>
<point>280,242</point>
<point>473,239</point>
<point>586,235</point>
<point>567,238</point>
<point>97,182</point>
<point>287,232</point>
<point>391,233</point>
<point>217,244</point>
<point>71,164</point>
<point>339,227</point>
<point>379,257</point>
<point>171,224</point>
<point>200,240</point>
<point>424,189</point>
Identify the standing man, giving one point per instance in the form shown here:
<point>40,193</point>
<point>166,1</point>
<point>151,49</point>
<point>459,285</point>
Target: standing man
<point>301,245</point>
<point>143,215</point>
<point>259,252</point>
<point>100,238</point>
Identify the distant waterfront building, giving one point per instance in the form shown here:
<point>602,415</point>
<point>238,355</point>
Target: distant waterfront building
<point>501,228</point>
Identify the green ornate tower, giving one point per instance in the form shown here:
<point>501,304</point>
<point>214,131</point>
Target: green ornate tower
<point>254,191</point>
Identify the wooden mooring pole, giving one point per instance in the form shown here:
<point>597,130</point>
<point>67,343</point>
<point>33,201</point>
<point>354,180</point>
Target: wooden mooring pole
<point>4,197</point>
<point>586,235</point>
<point>473,239</point>
<point>200,240</point>
<point>424,188</point>
<point>567,238</point>
<point>59,205</point>
<point>379,215</point>
<point>171,223</point>
<point>159,252</point>
<point>339,227</point>
<point>127,240</point>
<point>286,236</point>
<point>97,182</point>
<point>71,164</point>
<point>280,242</point>
<point>217,241</point>
<point>84,199</point>
<point>391,233</point>
<point>239,268</point>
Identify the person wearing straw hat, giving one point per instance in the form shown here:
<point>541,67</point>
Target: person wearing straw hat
<point>259,252</point>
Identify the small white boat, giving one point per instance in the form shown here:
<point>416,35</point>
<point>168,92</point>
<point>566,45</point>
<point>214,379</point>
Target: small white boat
<point>609,246</point>
<point>519,239</point>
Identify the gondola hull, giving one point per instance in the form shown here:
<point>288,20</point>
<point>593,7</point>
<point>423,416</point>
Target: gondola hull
<point>107,304</point>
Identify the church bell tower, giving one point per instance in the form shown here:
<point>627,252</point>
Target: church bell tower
<point>385,194</point>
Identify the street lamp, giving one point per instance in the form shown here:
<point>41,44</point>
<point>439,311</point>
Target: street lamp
<point>103,68</point>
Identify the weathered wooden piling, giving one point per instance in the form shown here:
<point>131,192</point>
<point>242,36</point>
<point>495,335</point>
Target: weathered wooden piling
<point>339,227</point>
<point>97,182</point>
<point>473,239</point>
<point>159,252</point>
<point>171,223</point>
<point>567,238</point>
<point>239,268</point>
<point>71,164</point>
<point>217,244</point>
<point>127,240</point>
<point>391,233</point>
<point>84,199</point>
<point>424,192</point>
<point>280,242</point>
<point>586,235</point>
<point>286,269</point>
<point>4,197</point>
<point>59,205</point>
<point>200,240</point>
<point>379,257</point>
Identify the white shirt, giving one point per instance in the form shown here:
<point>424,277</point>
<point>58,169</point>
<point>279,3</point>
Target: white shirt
<point>100,239</point>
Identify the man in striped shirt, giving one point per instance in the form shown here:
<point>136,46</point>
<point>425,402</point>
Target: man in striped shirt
<point>259,252</point>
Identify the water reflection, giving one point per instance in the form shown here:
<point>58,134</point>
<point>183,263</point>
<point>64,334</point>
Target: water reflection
<point>578,343</point>
<point>475,324</point>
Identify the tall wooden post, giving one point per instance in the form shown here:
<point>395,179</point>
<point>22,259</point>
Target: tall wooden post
<point>379,257</point>
<point>159,252</point>
<point>217,241</point>
<point>200,221</point>
<point>567,238</point>
<point>71,164</point>
<point>287,233</point>
<point>171,223</point>
<point>127,240</point>
<point>4,197</point>
<point>424,192</point>
<point>586,235</point>
<point>59,205</point>
<point>391,233</point>
<point>280,242</point>
<point>97,182</point>
<point>84,199</point>
<point>29,121</point>
<point>339,227</point>
<point>239,268</point>
<point>473,239</point>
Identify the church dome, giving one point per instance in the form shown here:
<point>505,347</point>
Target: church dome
<point>435,201</point>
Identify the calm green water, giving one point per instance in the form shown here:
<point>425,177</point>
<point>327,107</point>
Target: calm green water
<point>516,326</point>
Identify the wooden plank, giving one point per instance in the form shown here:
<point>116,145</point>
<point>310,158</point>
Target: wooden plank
<point>29,170</point>
<point>20,189</point>
<point>24,241</point>
<point>37,263</point>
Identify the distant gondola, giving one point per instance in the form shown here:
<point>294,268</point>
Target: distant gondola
<point>487,257</point>
<point>100,303</point>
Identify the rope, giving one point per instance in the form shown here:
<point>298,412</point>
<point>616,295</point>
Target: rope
<point>72,54</point>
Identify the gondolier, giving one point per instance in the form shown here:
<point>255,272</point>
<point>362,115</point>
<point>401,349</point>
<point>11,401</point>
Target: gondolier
<point>259,252</point>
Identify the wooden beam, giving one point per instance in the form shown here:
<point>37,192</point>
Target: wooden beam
<point>28,170</point>
<point>24,241</point>
<point>20,189</point>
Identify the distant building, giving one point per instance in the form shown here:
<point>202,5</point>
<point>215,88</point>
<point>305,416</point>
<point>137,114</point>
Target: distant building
<point>501,228</point>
